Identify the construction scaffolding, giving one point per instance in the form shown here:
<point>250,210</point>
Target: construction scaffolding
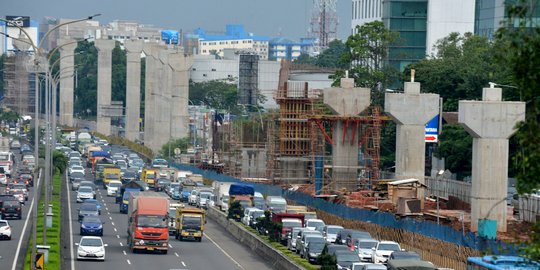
<point>19,84</point>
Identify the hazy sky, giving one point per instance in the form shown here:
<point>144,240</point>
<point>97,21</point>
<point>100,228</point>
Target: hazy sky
<point>262,17</point>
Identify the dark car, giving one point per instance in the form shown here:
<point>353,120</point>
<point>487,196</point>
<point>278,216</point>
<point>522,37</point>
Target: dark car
<point>354,234</point>
<point>161,183</point>
<point>27,179</point>
<point>404,255</point>
<point>76,175</point>
<point>92,225</point>
<point>175,194</point>
<point>129,176</point>
<point>11,208</point>
<point>341,237</point>
<point>345,259</point>
<point>88,209</point>
<point>314,249</point>
<point>333,248</point>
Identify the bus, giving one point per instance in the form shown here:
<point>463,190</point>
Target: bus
<point>494,262</point>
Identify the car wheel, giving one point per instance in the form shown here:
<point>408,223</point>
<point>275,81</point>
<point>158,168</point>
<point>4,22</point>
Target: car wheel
<point>9,238</point>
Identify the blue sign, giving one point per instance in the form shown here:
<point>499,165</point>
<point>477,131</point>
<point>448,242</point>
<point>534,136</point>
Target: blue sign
<point>169,36</point>
<point>432,130</point>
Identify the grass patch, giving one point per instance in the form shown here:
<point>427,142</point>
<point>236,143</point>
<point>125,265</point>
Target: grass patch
<point>283,249</point>
<point>53,233</point>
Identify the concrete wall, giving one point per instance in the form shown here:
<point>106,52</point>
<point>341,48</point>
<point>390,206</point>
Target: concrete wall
<point>257,245</point>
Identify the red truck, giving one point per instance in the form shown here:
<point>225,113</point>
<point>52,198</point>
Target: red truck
<point>288,221</point>
<point>147,221</point>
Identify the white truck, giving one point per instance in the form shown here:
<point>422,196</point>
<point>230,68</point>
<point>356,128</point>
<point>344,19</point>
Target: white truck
<point>221,190</point>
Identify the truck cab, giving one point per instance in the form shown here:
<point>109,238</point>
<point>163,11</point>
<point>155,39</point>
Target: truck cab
<point>190,223</point>
<point>149,177</point>
<point>148,222</point>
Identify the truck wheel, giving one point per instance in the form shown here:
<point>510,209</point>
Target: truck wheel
<point>164,252</point>
<point>199,239</point>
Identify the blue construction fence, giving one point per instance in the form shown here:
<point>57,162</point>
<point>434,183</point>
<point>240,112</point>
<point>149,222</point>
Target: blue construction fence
<point>425,228</point>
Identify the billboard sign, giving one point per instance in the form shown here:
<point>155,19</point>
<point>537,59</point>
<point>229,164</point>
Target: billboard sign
<point>432,130</point>
<point>20,21</point>
<point>169,36</point>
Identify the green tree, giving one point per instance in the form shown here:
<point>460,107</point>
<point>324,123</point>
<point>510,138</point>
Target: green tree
<point>463,65</point>
<point>167,150</point>
<point>216,94</point>
<point>86,80</point>
<point>331,57</point>
<point>456,148</point>
<point>118,84</point>
<point>236,211</point>
<point>327,261</point>
<point>366,54</point>
<point>518,45</point>
<point>60,161</point>
<point>306,59</point>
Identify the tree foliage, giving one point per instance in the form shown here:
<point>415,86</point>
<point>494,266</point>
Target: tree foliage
<point>216,94</point>
<point>331,57</point>
<point>463,65</point>
<point>60,161</point>
<point>167,150</point>
<point>456,148</point>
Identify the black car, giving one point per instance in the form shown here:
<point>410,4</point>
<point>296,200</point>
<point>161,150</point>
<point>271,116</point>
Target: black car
<point>76,175</point>
<point>88,209</point>
<point>404,255</point>
<point>161,183</point>
<point>345,259</point>
<point>333,248</point>
<point>341,237</point>
<point>27,179</point>
<point>129,176</point>
<point>11,208</point>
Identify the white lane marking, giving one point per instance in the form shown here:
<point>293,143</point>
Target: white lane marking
<point>70,227</point>
<point>124,252</point>
<point>112,223</point>
<point>184,264</point>
<point>128,262</point>
<point>121,244</point>
<point>170,246</point>
<point>107,208</point>
<point>115,229</point>
<point>104,204</point>
<point>176,254</point>
<point>110,218</point>
<point>118,236</point>
<point>26,223</point>
<point>108,213</point>
<point>224,252</point>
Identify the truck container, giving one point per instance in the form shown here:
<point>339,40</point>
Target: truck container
<point>190,223</point>
<point>6,162</point>
<point>287,221</point>
<point>221,192</point>
<point>148,222</point>
<point>295,209</point>
<point>276,204</point>
<point>4,144</point>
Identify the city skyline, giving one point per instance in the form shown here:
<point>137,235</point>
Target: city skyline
<point>278,18</point>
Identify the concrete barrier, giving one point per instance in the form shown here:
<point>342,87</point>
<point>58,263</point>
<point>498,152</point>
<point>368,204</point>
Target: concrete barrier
<point>252,241</point>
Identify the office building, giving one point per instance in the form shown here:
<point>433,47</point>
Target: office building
<point>235,37</point>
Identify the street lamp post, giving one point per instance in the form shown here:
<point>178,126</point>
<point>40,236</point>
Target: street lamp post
<point>40,66</point>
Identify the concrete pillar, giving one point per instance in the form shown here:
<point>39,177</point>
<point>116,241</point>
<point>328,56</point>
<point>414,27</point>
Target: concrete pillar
<point>104,47</point>
<point>151,92</point>
<point>491,122</point>
<point>346,100</point>
<point>162,101</point>
<point>133,87</point>
<point>180,65</point>
<point>67,94</point>
<point>411,111</point>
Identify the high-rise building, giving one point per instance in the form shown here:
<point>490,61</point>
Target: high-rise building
<point>489,14</point>
<point>420,24</point>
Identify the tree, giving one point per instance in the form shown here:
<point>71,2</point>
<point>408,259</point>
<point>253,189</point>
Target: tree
<point>236,211</point>
<point>60,161</point>
<point>216,94</point>
<point>331,57</point>
<point>167,150</point>
<point>305,58</point>
<point>463,65</point>
<point>456,148</point>
<point>326,260</point>
<point>118,84</point>
<point>366,54</point>
<point>86,90</point>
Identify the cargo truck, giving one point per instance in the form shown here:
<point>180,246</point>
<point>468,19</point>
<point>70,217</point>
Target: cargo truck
<point>221,192</point>
<point>287,221</point>
<point>110,174</point>
<point>149,176</point>
<point>242,193</point>
<point>190,223</point>
<point>148,222</point>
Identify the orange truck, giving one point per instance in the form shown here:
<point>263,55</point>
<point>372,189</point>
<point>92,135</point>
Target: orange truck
<point>148,227</point>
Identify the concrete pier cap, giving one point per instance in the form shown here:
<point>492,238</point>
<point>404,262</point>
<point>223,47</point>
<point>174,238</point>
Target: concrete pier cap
<point>490,122</point>
<point>347,99</point>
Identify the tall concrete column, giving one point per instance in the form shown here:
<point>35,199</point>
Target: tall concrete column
<point>163,97</point>
<point>411,111</point>
<point>346,100</point>
<point>491,122</point>
<point>67,94</point>
<point>104,47</point>
<point>133,87</point>
<point>180,65</point>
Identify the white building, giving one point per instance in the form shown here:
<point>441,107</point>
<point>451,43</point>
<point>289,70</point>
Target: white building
<point>30,26</point>
<point>365,11</point>
<point>234,38</point>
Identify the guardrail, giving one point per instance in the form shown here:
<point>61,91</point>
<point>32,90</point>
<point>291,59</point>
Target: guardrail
<point>252,241</point>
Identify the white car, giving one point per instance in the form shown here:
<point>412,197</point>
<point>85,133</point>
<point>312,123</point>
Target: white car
<point>3,179</point>
<point>192,198</point>
<point>315,224</point>
<point>383,250</point>
<point>91,247</point>
<point>113,187</point>
<point>84,193</point>
<point>330,232</point>
<point>76,168</point>
<point>5,230</point>
<point>364,247</point>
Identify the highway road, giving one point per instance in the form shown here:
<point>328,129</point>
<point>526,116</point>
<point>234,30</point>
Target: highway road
<point>12,252</point>
<point>218,250</point>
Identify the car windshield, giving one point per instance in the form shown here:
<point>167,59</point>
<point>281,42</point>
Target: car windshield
<point>150,176</point>
<point>11,203</point>
<point>172,213</point>
<point>392,247</point>
<point>405,255</point>
<point>292,223</point>
<point>77,175</point>
<point>316,246</point>
<point>3,223</point>
<point>85,189</point>
<point>91,219</point>
<point>360,235</point>
<point>257,214</point>
<point>152,221</point>
<point>347,257</point>
<point>315,223</point>
<point>91,242</point>
<point>191,222</point>
<point>89,207</point>
<point>333,230</point>
<point>115,184</point>
<point>367,244</point>
<point>206,195</point>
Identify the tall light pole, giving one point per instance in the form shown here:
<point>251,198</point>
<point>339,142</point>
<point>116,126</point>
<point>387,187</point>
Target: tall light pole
<point>39,66</point>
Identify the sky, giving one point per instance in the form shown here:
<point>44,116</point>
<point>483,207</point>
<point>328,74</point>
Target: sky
<point>286,18</point>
